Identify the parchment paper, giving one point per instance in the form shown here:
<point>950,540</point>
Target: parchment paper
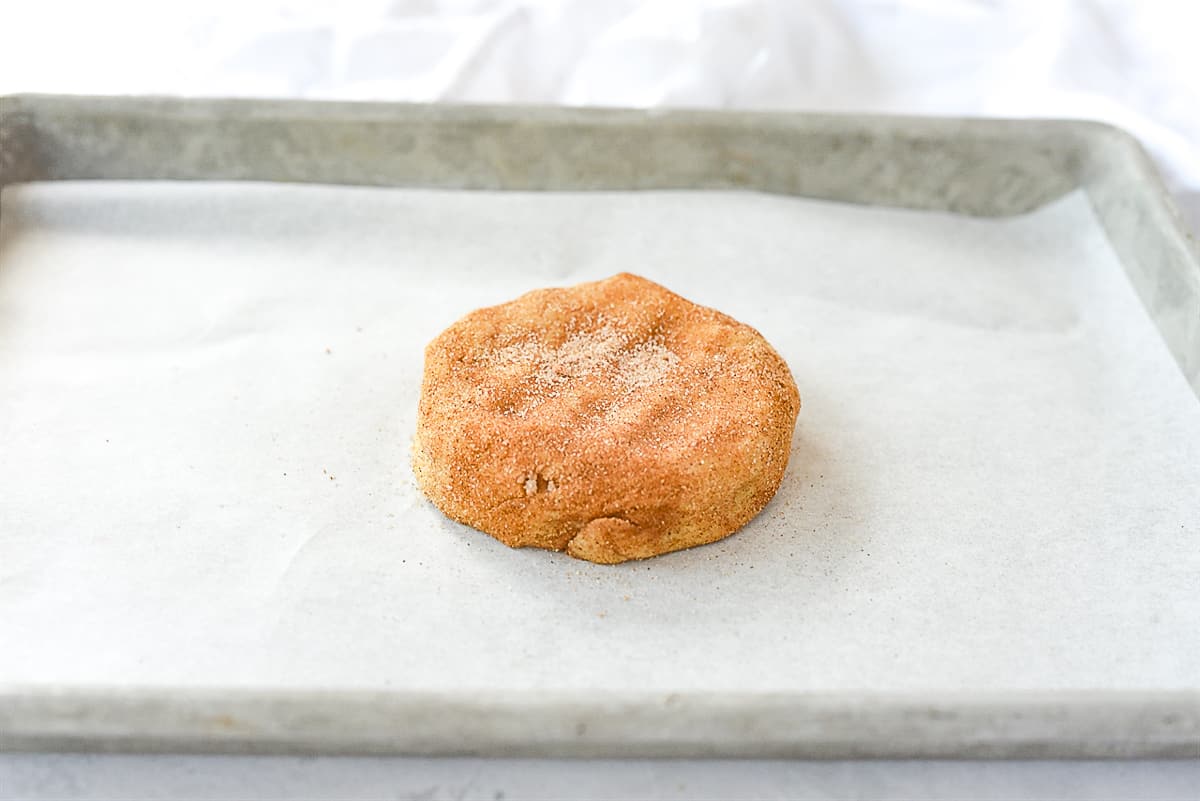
<point>207,394</point>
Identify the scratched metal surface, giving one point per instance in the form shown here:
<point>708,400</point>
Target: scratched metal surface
<point>975,167</point>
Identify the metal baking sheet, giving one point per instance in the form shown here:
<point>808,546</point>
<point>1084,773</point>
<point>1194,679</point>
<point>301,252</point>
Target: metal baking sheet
<point>210,541</point>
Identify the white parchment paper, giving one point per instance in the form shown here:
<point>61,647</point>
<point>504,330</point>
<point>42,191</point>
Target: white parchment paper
<point>207,394</point>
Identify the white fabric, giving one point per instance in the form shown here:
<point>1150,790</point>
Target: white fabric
<point>31,777</point>
<point>1132,64</point>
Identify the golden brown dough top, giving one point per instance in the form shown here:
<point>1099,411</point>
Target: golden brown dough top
<point>620,371</point>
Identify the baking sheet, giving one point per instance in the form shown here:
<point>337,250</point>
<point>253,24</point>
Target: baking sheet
<point>207,394</point>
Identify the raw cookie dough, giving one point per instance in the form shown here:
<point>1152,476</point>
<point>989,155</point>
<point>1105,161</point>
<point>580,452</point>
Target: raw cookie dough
<point>614,420</point>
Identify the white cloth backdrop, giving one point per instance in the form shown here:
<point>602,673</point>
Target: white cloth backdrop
<point>1135,64</point>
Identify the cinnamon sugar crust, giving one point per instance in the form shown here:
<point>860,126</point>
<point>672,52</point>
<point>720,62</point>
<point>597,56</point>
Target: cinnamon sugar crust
<point>614,420</point>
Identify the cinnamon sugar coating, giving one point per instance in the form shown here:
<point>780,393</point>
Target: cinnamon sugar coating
<point>614,420</point>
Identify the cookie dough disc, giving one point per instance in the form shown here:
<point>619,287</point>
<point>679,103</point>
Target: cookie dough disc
<point>614,420</point>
